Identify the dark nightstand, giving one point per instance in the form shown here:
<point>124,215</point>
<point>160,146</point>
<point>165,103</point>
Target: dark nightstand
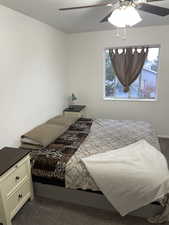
<point>75,110</point>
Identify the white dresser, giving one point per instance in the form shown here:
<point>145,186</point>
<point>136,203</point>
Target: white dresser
<point>15,182</point>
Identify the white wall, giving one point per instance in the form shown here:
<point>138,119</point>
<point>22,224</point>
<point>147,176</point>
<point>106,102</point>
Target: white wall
<point>32,74</point>
<point>34,63</point>
<point>86,75</point>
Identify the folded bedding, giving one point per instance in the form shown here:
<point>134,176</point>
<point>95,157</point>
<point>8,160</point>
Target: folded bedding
<point>30,146</point>
<point>130,177</point>
<point>62,120</point>
<point>24,139</point>
<point>46,133</point>
<point>42,135</point>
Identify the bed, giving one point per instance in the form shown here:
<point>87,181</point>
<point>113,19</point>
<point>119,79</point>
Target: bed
<point>60,162</point>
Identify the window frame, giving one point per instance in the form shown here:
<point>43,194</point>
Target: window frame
<point>130,99</point>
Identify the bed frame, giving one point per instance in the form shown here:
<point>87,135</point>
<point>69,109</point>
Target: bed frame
<point>87,198</point>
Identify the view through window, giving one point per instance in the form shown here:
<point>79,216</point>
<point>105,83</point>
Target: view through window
<point>145,87</point>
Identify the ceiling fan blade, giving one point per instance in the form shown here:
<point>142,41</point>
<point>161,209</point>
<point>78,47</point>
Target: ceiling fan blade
<point>87,6</point>
<point>105,19</point>
<point>153,9</point>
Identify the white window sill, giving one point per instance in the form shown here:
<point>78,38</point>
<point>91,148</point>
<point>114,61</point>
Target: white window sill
<point>130,100</point>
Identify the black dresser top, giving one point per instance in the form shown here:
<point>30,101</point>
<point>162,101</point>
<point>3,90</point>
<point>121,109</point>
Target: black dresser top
<point>75,108</point>
<point>9,157</point>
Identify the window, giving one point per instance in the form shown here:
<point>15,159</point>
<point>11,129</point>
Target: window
<point>145,87</point>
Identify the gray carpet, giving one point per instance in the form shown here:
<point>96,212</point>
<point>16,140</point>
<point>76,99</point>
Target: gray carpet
<point>48,212</point>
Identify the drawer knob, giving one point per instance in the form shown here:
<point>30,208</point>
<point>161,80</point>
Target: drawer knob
<point>20,196</point>
<point>17,178</point>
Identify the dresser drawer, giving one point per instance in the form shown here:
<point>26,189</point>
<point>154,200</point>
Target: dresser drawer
<point>16,200</point>
<point>15,177</point>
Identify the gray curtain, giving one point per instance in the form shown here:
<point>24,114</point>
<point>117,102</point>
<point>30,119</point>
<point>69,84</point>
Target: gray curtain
<point>128,64</point>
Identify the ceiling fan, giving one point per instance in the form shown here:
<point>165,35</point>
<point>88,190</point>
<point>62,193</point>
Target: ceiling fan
<point>137,4</point>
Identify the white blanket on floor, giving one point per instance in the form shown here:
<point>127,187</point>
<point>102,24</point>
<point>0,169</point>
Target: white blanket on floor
<point>130,177</point>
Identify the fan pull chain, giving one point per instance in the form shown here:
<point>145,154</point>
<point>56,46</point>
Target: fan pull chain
<point>117,32</point>
<point>121,32</point>
<point>124,35</point>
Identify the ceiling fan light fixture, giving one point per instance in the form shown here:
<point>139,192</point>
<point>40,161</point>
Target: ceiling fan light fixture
<point>136,2</point>
<point>124,16</point>
<point>117,19</point>
<point>132,17</point>
<point>109,4</point>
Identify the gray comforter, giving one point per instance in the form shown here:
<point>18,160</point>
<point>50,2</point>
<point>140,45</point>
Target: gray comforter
<point>105,135</point>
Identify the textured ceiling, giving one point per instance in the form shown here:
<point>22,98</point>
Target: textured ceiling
<point>77,20</point>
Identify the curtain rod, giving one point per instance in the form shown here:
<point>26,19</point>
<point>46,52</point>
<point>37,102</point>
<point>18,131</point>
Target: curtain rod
<point>136,46</point>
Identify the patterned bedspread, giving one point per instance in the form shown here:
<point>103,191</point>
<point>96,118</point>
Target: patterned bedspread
<point>50,162</point>
<point>105,135</point>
